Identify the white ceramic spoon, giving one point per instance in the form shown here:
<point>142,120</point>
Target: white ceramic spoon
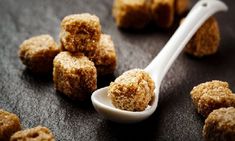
<point>160,64</point>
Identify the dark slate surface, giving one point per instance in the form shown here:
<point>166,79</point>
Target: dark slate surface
<point>35,101</point>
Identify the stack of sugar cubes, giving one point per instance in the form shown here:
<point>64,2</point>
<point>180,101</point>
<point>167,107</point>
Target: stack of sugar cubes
<point>84,54</point>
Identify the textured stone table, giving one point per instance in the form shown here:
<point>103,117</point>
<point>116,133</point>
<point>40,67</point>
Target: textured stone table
<point>36,102</point>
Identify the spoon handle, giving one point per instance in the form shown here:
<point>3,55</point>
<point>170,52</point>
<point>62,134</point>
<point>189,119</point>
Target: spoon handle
<point>198,15</point>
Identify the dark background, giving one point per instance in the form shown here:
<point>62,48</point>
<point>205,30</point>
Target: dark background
<point>36,102</point>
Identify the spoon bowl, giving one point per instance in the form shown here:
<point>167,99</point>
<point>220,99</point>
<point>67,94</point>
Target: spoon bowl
<point>103,105</point>
<point>160,64</point>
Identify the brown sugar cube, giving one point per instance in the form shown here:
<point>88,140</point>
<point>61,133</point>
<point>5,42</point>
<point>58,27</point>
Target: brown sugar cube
<point>163,12</point>
<point>80,32</point>
<point>206,40</point>
<point>211,101</point>
<point>214,85</point>
<point>212,95</point>
<point>105,56</point>
<point>181,6</point>
<point>37,53</point>
<point>220,125</point>
<point>38,133</point>
<point>9,124</point>
<point>132,91</point>
<point>74,75</point>
<point>131,13</point>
